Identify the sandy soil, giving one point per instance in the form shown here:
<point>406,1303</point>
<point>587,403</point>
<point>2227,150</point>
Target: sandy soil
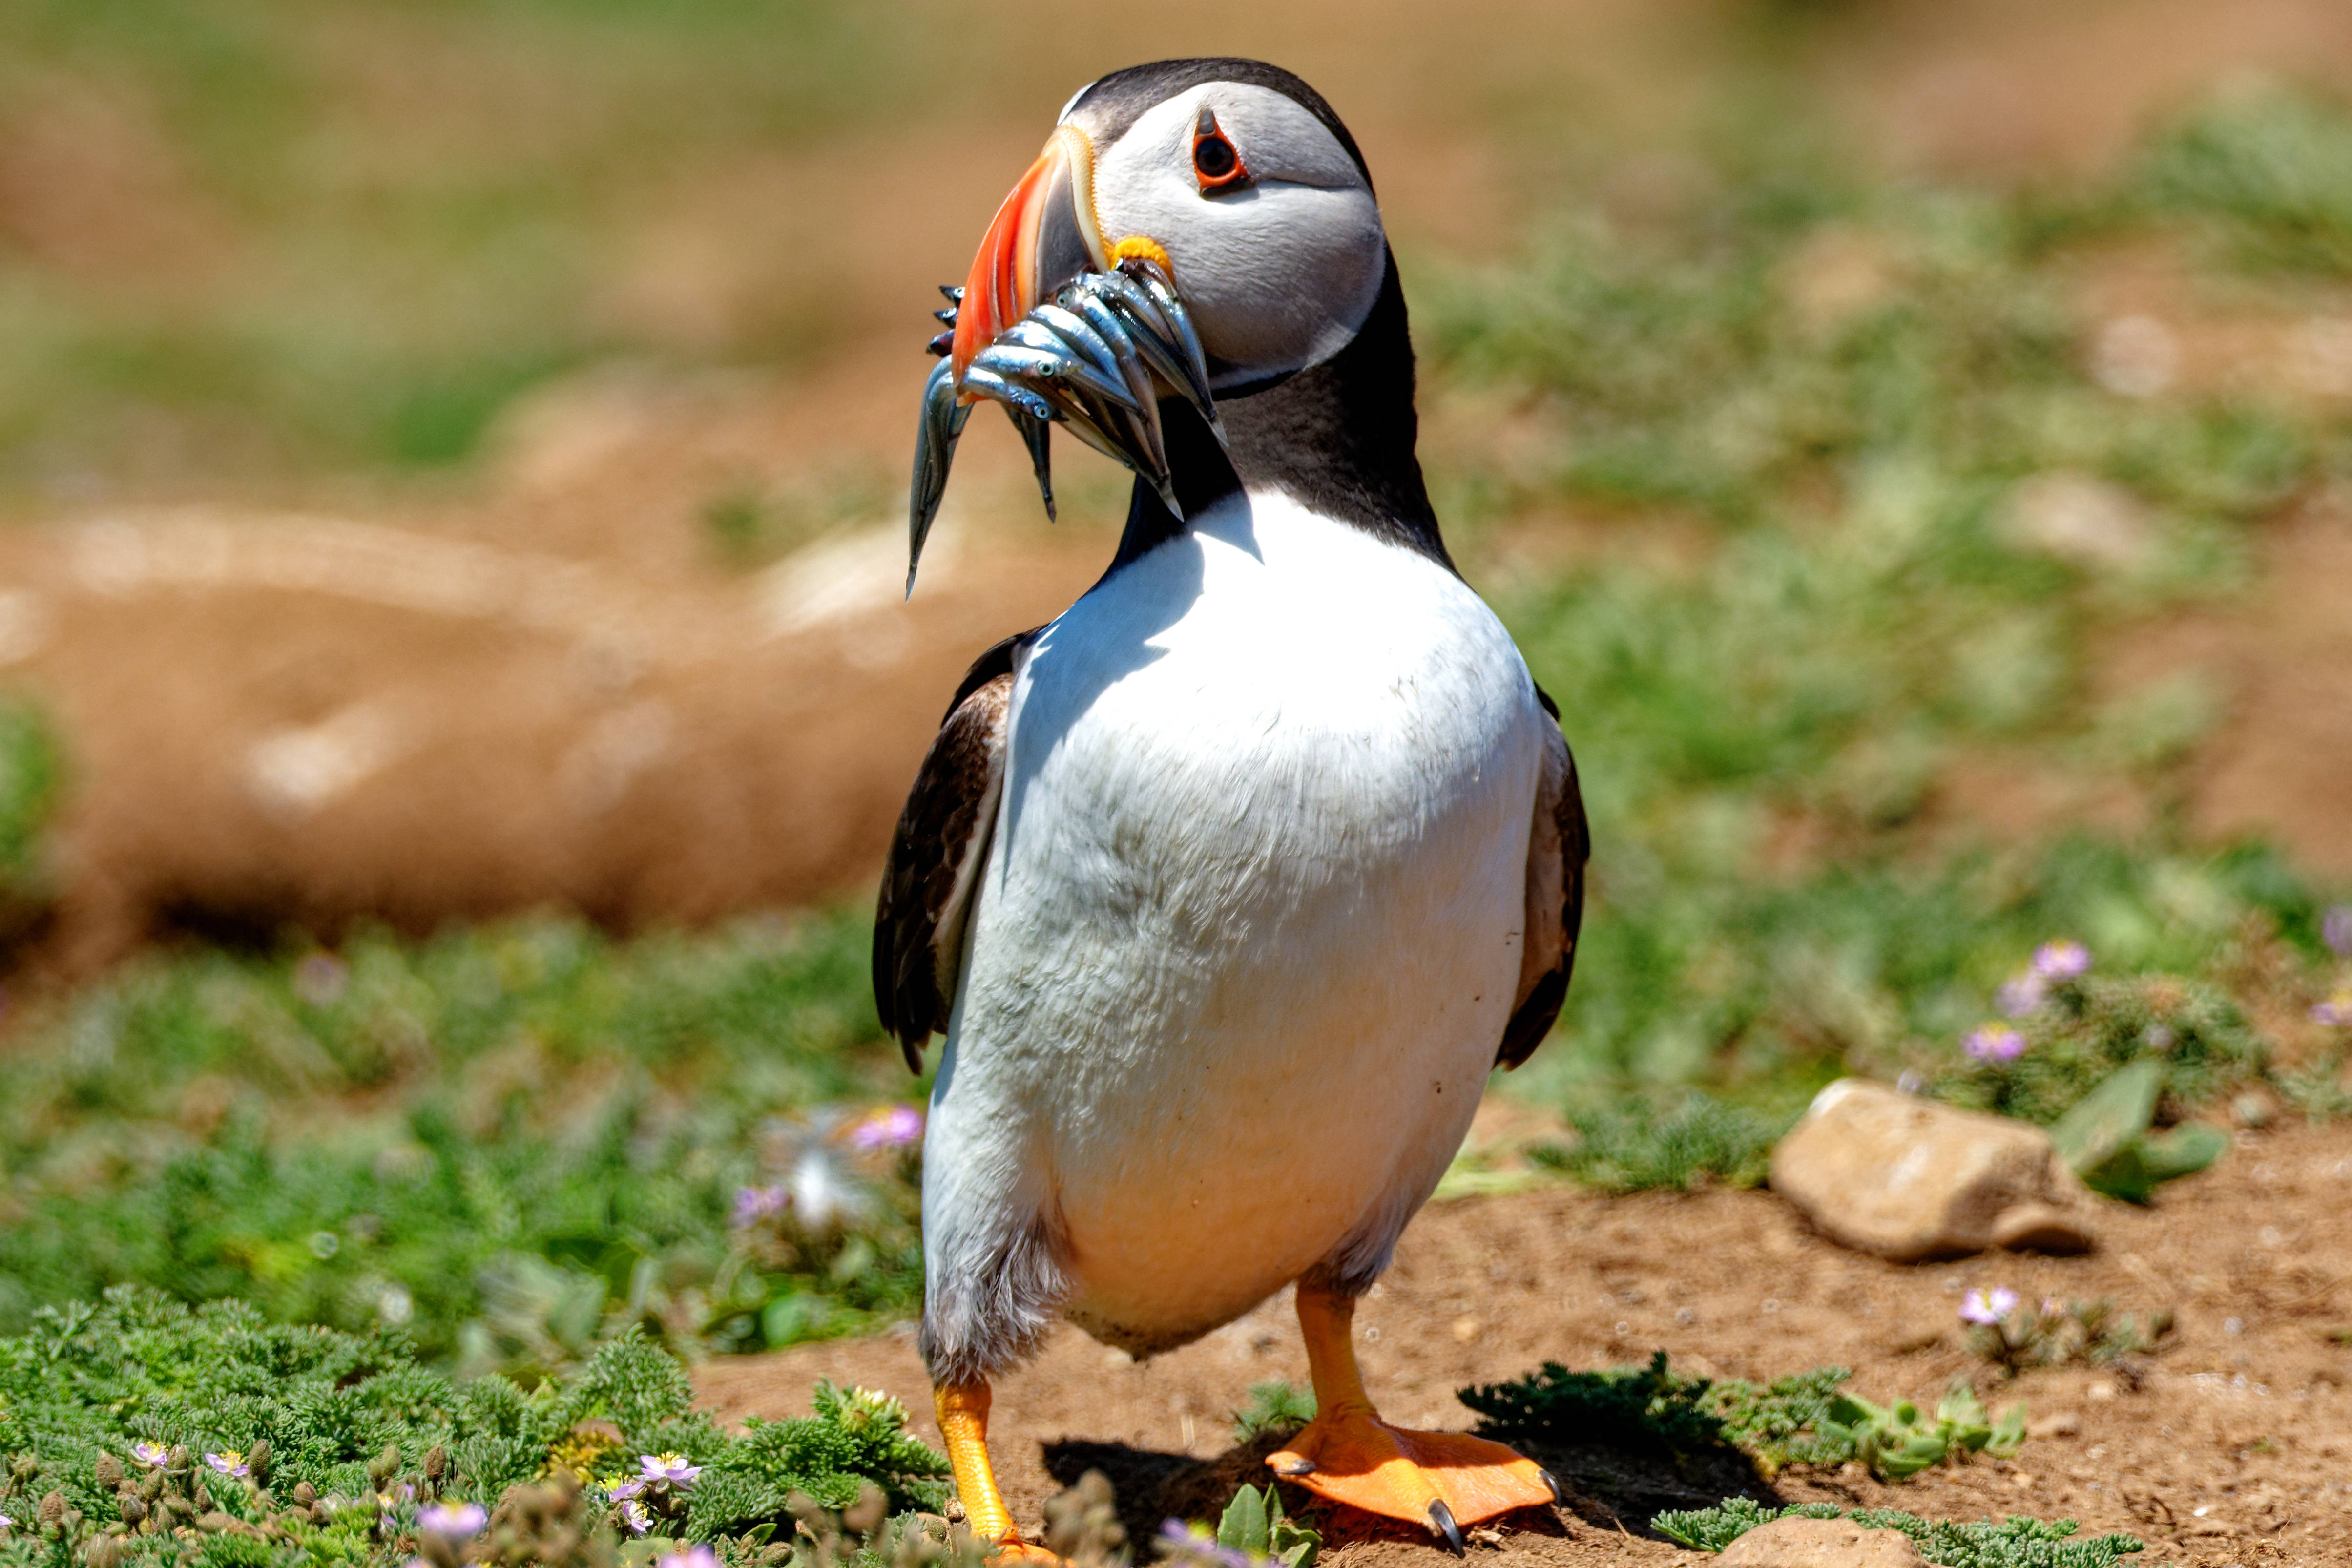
<point>2279,762</point>
<point>2227,1446</point>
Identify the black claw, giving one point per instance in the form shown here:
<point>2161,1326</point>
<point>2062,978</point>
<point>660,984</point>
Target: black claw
<point>948,315</point>
<point>954,292</point>
<point>1294,1467</point>
<point>1440,1519</point>
<point>942,345</point>
<point>1558,1498</point>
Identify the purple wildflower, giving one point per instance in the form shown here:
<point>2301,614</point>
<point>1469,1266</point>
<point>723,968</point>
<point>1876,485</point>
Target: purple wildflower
<point>1994,1042</point>
<point>151,1454</point>
<point>671,1467</point>
<point>6,1523</point>
<point>1988,1307</point>
<point>1911,1081</point>
<point>753,1204</point>
<point>2336,1011</point>
<point>2021,994</point>
<point>2062,959</point>
<point>231,1463</point>
<point>627,1489</point>
<point>2336,931</point>
<point>1184,1544</point>
<point>692,1557</point>
<point>888,1127</point>
<point>456,1520</point>
<point>633,1515</point>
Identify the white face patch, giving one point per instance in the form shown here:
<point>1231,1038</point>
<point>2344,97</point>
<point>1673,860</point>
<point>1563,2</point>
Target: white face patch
<point>1279,276</point>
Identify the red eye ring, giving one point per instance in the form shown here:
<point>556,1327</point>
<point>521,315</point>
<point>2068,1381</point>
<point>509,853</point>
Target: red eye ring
<point>1216,162</point>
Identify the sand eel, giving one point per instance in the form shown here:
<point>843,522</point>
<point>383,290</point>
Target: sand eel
<point>1230,886</point>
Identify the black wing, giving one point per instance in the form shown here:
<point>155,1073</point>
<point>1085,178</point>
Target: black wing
<point>1559,844</point>
<point>937,854</point>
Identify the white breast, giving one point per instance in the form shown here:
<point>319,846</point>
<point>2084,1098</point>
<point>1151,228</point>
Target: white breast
<point>1250,927</point>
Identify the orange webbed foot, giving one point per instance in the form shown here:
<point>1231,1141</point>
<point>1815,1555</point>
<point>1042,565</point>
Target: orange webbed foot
<point>1444,1480</point>
<point>1019,1553</point>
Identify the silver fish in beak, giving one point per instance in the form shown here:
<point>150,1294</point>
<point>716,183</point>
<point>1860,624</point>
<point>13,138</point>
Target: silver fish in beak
<point>1059,330</point>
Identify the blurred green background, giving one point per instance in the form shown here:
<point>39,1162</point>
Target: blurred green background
<point>1843,404</point>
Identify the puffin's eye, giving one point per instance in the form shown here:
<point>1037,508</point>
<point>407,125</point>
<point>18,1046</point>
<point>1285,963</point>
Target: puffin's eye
<point>1215,162</point>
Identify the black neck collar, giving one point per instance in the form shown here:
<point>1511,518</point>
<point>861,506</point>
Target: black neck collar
<point>1337,438</point>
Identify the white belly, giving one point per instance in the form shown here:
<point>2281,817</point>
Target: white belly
<point>1250,928</point>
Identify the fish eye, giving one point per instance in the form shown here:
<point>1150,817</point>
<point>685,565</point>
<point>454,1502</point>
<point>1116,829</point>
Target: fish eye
<point>1215,162</point>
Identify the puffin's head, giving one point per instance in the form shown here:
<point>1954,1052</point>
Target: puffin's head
<point>1193,278</point>
<point>1234,175</point>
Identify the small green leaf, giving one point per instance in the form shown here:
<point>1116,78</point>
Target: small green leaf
<point>2105,1120</point>
<point>1960,1406</point>
<point>1294,1545</point>
<point>2133,1172</point>
<point>2185,1151</point>
<point>1243,1527</point>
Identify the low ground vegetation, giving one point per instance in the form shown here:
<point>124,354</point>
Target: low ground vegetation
<point>1805,1419</point>
<point>1867,486</point>
<point>2003,1544</point>
<point>508,1142</point>
<point>140,1430</point>
<point>1841,565</point>
<point>1770,714</point>
<point>144,1432</point>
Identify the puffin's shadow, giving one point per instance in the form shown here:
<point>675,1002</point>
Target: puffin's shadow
<point>1608,1489</point>
<point>1624,1489</point>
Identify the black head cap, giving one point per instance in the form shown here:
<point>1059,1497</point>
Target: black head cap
<point>1115,102</point>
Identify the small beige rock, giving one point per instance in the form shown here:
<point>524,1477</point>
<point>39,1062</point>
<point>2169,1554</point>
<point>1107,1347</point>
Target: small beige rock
<point>1905,1178</point>
<point>1820,1543</point>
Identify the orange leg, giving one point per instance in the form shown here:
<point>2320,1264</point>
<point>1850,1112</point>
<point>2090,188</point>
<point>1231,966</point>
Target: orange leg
<point>1348,1454</point>
<point>963,1422</point>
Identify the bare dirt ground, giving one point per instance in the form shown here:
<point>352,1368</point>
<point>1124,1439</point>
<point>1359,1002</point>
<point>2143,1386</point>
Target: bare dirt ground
<point>2280,761</point>
<point>2227,1446</point>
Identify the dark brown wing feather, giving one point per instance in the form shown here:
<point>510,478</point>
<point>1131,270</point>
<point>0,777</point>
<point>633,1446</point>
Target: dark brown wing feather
<point>1559,845</point>
<point>937,853</point>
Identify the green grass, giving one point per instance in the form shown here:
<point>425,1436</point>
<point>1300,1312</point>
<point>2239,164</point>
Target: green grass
<point>1655,1409</point>
<point>2261,171</point>
<point>1803,1419</point>
<point>1274,1407</point>
<point>519,1138</point>
<point>1986,1543</point>
<point>1856,608</point>
<point>298,239</point>
<point>1630,1145</point>
<point>345,1443</point>
<point>509,1139</point>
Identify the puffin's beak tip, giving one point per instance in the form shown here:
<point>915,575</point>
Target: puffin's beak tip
<point>1060,330</point>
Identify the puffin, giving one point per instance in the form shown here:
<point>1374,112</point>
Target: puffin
<point>1229,886</point>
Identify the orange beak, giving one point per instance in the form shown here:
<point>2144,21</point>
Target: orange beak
<point>1044,235</point>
